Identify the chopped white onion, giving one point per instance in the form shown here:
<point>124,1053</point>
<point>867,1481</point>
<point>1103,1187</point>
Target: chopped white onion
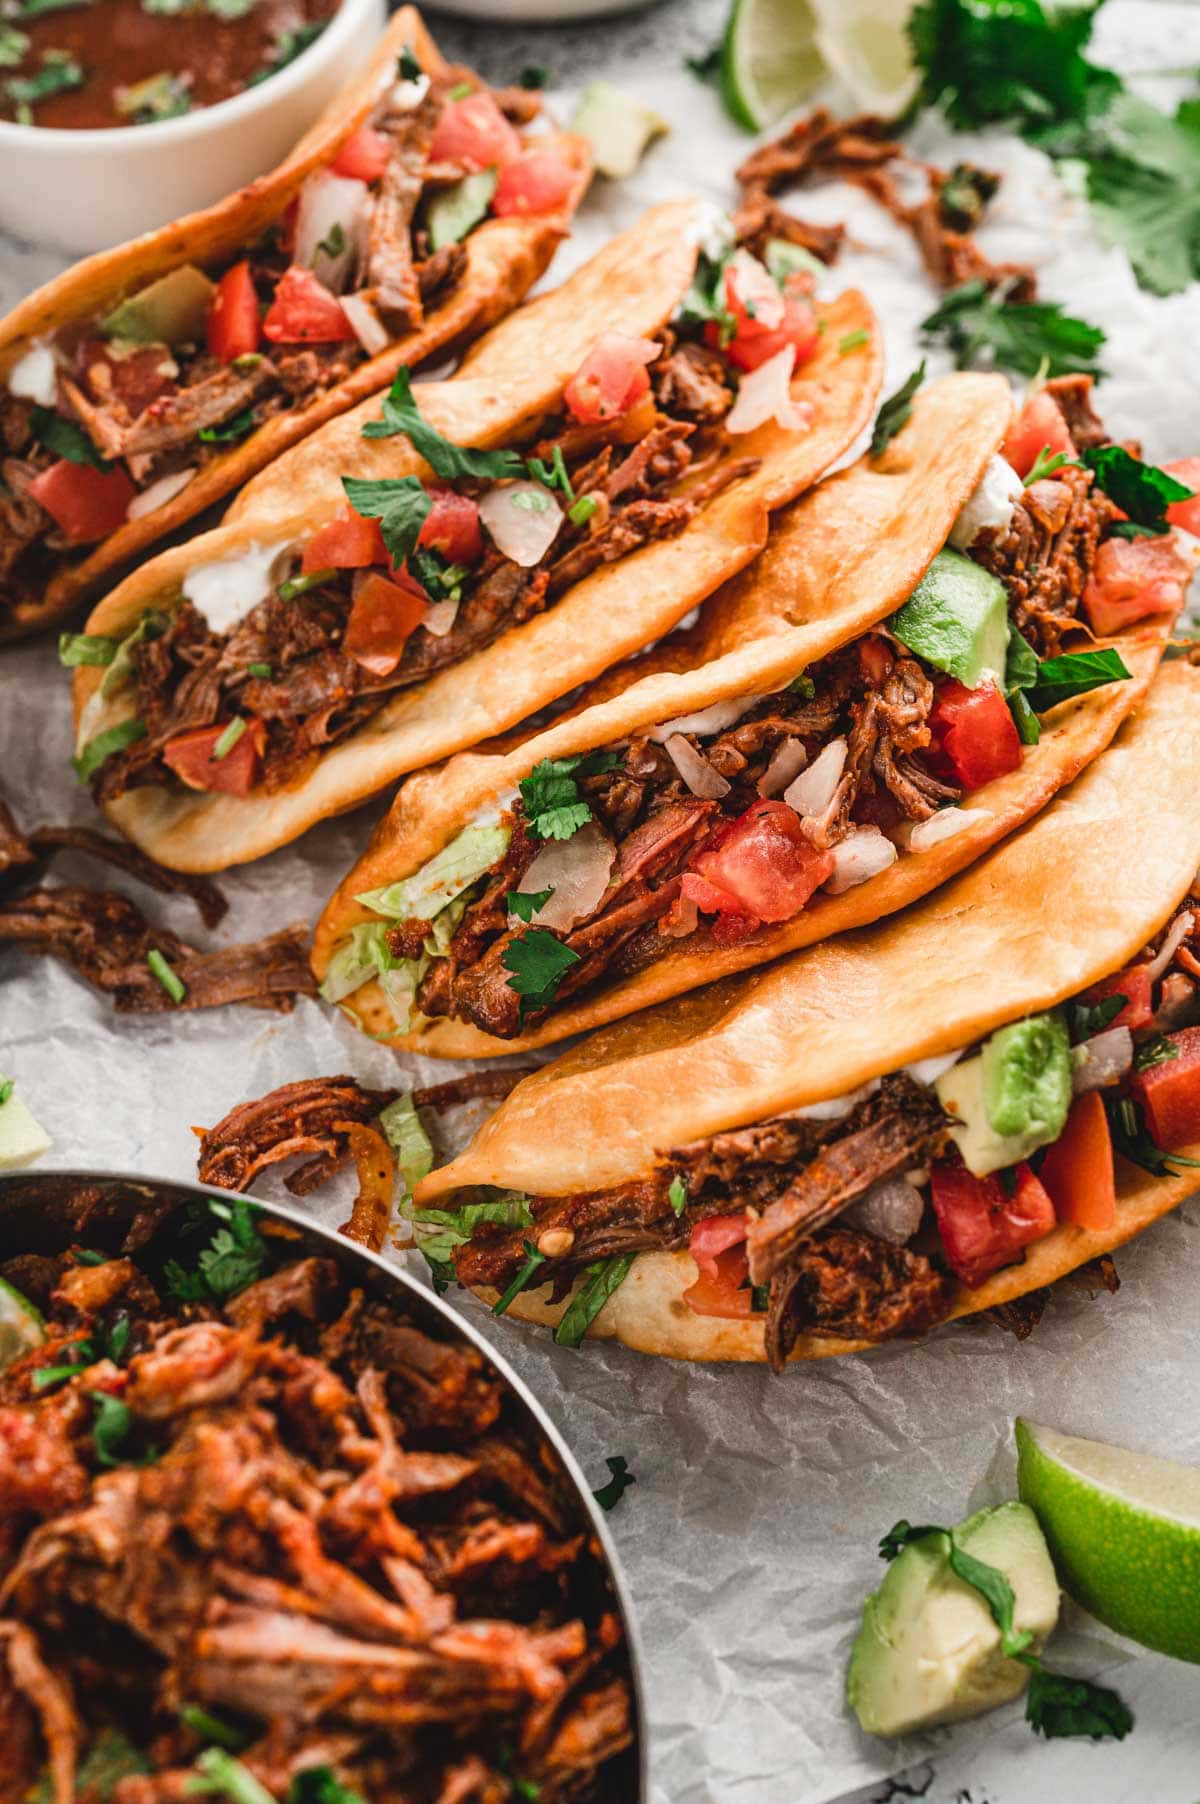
<point>405,95</point>
<point>813,789</point>
<point>765,394</point>
<point>891,1210</point>
<point>366,324</point>
<point>834,1108</point>
<point>1104,1059</point>
<point>523,519</point>
<point>576,870</point>
<point>34,377</point>
<point>927,1071</point>
<point>440,617</point>
<point>756,288</point>
<point>992,502</point>
<point>225,592</point>
<point>707,721</point>
<point>330,205</point>
<point>863,854</point>
<point>159,493</point>
<point>1176,933</point>
<point>697,772</point>
<point>787,761</point>
<point>942,825</point>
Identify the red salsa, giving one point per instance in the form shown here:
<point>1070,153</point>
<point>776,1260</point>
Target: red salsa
<point>82,64</point>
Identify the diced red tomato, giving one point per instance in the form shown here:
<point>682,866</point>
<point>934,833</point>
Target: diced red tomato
<point>304,312</point>
<point>473,133</point>
<point>384,617</point>
<point>753,297</point>
<point>1135,985</point>
<point>1186,513</point>
<point>137,378</point>
<point>1133,578</point>
<point>974,733</point>
<point>982,1227</point>
<point>1039,427</point>
<point>611,378</point>
<point>538,181</point>
<point>1170,1092</point>
<point>732,922</point>
<point>1077,1172</point>
<point>452,527</point>
<point>347,542</point>
<point>364,156</point>
<point>85,504</point>
<point>190,756</point>
<point>233,325</point>
<point>763,860</point>
<point>718,1247</point>
<point>748,349</point>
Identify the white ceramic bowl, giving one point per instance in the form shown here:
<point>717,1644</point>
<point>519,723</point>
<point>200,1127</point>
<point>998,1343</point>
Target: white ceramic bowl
<point>87,190</point>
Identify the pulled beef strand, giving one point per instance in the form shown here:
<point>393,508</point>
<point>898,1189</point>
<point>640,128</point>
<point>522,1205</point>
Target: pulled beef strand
<point>320,1519</point>
<point>306,1117</point>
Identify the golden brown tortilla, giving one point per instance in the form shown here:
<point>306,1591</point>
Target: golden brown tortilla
<point>839,561</point>
<point>633,285</point>
<point>1068,900</point>
<point>505,257</point>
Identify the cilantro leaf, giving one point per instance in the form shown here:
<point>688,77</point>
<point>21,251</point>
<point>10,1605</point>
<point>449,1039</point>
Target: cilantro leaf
<point>677,1194</point>
<point>538,963</point>
<point>979,327</point>
<point>532,1260</point>
<point>1044,465</point>
<point>1092,1018</point>
<point>233,1259</point>
<point>534,75</point>
<point>1133,1141</point>
<point>110,1426</point>
<point>600,1280</point>
<point>1058,1706</point>
<point>1075,673</point>
<point>609,1495</point>
<point>705,299</point>
<point>901,1533</point>
<point>59,74</point>
<point>552,475</point>
<point>983,61</point>
<point>706,65</point>
<point>407,66</point>
<point>451,462</point>
<point>526,903</point>
<point>1141,490</point>
<point>321,1785</point>
<point>65,438</point>
<point>996,1592</point>
<point>401,504</point>
<point>231,431</point>
<point>896,412</point>
<point>553,804</point>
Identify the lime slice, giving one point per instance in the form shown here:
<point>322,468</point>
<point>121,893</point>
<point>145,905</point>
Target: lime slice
<point>769,59</point>
<point>21,1326</point>
<point>1124,1533</point>
<point>865,44</point>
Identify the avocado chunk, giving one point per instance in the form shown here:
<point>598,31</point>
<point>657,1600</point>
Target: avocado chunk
<point>961,1092</point>
<point>617,127</point>
<point>929,1649</point>
<point>455,211</point>
<point>1027,1077</point>
<point>957,620</point>
<point>22,1140</point>
<point>171,311</point>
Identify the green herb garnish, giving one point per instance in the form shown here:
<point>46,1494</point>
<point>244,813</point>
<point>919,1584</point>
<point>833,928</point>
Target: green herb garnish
<point>321,1785</point>
<point>584,508</point>
<point>219,1772</point>
<point>212,1728</point>
<point>853,341</point>
<point>986,61</point>
<point>526,903</point>
<point>979,327</point>
<point>174,986</point>
<point>677,1194</point>
<point>1044,465</point>
<point>553,474</point>
<point>86,648</point>
<point>538,963</point>
<point>600,1280</point>
<point>401,504</point>
<point>550,792</point>
<point>231,432</point>
<point>335,243</point>
<point>228,739</point>
<point>534,75</point>
<point>65,438</point>
<point>1157,1050</point>
<point>234,1257</point>
<point>110,1427</point>
<point>258,670</point>
<point>532,1260</point>
<point>609,1495</point>
<point>895,412</point>
<point>400,416</point>
<point>114,739</point>
<point>1075,673</point>
<point>407,66</point>
<point>300,585</point>
<point>1141,490</point>
<point>59,74</point>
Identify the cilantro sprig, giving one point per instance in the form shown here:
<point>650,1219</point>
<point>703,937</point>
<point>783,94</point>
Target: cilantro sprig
<point>1141,490</point>
<point>1055,1705</point>
<point>537,962</point>
<point>979,327</point>
<point>65,438</point>
<point>234,1257</point>
<point>990,61</point>
<point>553,805</point>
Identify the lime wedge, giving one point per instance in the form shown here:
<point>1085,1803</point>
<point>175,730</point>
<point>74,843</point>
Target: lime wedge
<point>1124,1533</point>
<point>865,44</point>
<point>769,59</point>
<point>21,1325</point>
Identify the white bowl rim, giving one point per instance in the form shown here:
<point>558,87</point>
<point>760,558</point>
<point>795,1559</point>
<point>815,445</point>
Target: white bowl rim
<point>59,139</point>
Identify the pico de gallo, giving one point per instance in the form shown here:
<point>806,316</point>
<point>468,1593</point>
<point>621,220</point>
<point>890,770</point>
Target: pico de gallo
<point>715,826</point>
<point>268,660</point>
<point>874,1214</point>
<point>109,420</point>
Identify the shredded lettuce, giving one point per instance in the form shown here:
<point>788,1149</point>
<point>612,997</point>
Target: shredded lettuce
<point>438,1231</point>
<point>408,1140</point>
<point>360,958</point>
<point>469,856</point>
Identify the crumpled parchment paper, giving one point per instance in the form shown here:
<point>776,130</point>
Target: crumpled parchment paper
<point>750,1536</point>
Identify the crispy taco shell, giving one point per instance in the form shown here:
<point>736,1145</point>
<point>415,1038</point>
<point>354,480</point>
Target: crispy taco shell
<point>633,285</point>
<point>1068,900</point>
<point>838,562</point>
<point>505,257</point>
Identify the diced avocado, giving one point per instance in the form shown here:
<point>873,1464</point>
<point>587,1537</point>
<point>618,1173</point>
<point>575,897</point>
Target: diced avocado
<point>617,127</point>
<point>929,1650</point>
<point>171,311</point>
<point>453,212</point>
<point>21,1139</point>
<point>784,259</point>
<point>956,619</point>
<point>961,1094</point>
<point>1027,1077</point>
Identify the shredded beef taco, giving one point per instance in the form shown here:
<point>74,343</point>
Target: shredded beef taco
<point>922,1120</point>
<point>443,561</point>
<point>148,381</point>
<point>928,649</point>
